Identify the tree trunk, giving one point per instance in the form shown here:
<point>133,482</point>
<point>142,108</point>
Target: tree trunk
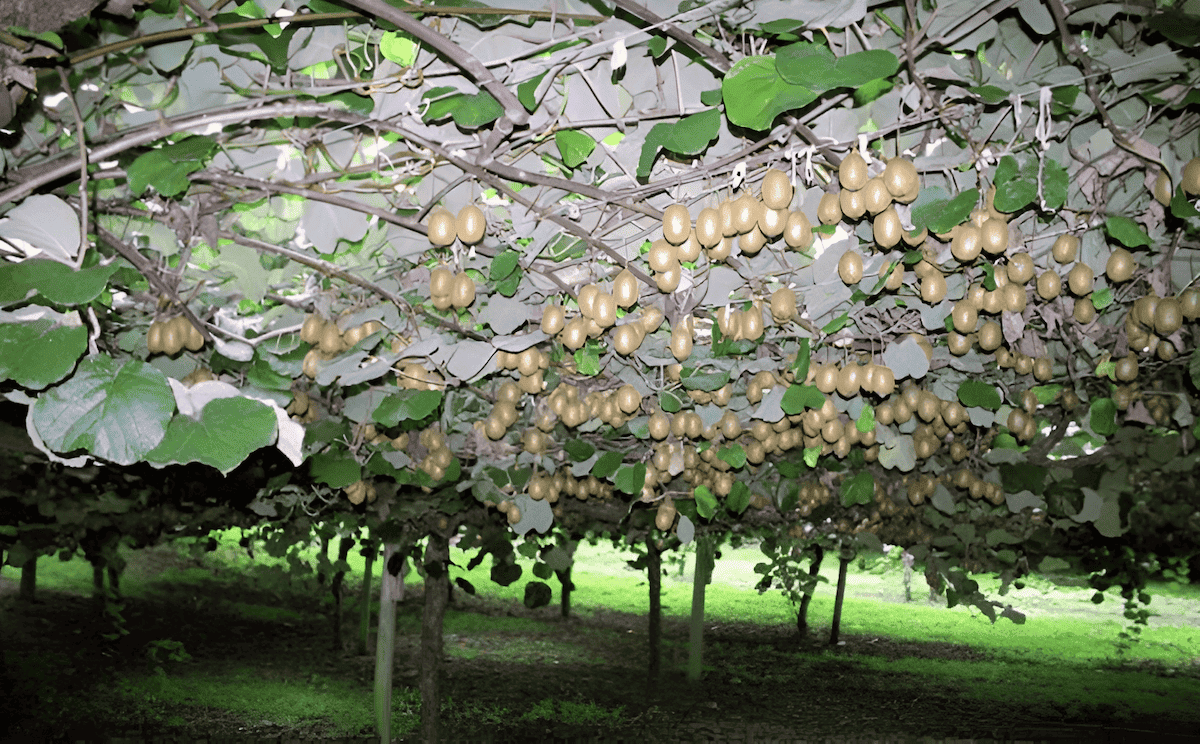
<point>844,563</point>
<point>391,591</point>
<point>364,620</point>
<point>813,570</point>
<point>564,579</point>
<point>437,580</point>
<point>28,579</point>
<point>654,573</point>
<point>114,583</point>
<point>336,587</point>
<point>700,579</point>
<point>97,580</point>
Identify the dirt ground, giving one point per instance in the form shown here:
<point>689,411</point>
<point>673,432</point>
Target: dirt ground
<point>59,664</point>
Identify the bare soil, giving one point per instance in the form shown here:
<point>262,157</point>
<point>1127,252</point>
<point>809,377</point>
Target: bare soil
<point>760,683</point>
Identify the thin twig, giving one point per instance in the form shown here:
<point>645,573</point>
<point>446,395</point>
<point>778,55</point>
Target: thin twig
<point>83,167</point>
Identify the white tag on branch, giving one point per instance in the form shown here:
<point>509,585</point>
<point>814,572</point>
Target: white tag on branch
<point>619,55</point>
<point>862,148</point>
<point>738,176</point>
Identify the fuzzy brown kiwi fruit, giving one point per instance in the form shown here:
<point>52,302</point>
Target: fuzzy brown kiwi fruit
<point>681,340</point>
<point>668,279</point>
<point>966,243</point>
<point>746,211</point>
<point>677,223</point>
<point>627,338</point>
<point>852,173</point>
<point>463,292</point>
<point>154,337</point>
<point>1020,268</point>
<point>1143,309</point>
<point>470,225</point>
<point>783,304</point>
<point>725,212</point>
<point>829,210</point>
<point>850,267</point>
<point>752,322</point>
<point>826,378</point>
<point>1190,178</point>
<point>876,197</point>
<point>797,233</point>
<point>442,227</point>
<point>441,281</point>
<point>310,330</point>
<point>1162,189</point>
<point>958,343</point>
<point>690,249</point>
<point>900,177</point>
<point>1168,316</point>
<point>752,241</point>
<point>1014,297</point>
<point>853,204</point>
<point>661,255</point>
<point>990,336</point>
<point>708,227</point>
<point>1189,303</point>
<point>933,287</point>
<point>887,228</point>
<point>604,310</point>
<point>1121,265</point>
<point>965,316</point>
<point>1080,279</point>
<point>626,289</point>
<point>849,380</point>
<point>331,340</point>
<point>1065,248</point>
<point>554,317</point>
<point>1049,285</point>
<point>722,250</point>
<point>652,318</point>
<point>994,236</point>
<point>883,381</point>
<point>773,222</point>
<point>574,334</point>
<point>777,191</point>
<point>1084,311</point>
<point>1126,368</point>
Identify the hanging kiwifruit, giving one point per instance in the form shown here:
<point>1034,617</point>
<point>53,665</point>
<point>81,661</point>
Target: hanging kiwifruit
<point>850,267</point>
<point>994,236</point>
<point>689,249</point>
<point>852,173</point>
<point>829,210</point>
<point>883,381</point>
<point>777,190</point>
<point>676,224</point>
<point>652,318</point>
<point>966,243</point>
<point>574,334</point>
<point>746,211</point>
<point>1121,265</point>
<point>1065,248</point>
<point>310,331</point>
<point>783,304</point>
<point>625,289</point>
<point>661,255</point>
<point>725,213</point>
<point>826,378</point>
<point>1049,285</point>
<point>1189,303</point>
<point>441,227</point>
<point>752,241</point>
<point>669,278</point>
<point>976,295</point>
<point>462,294</point>
<point>773,222</point>
<point>1043,369</point>
<point>965,316</point>
<point>1190,178</point>
<point>470,225</point>
<point>1122,396</point>
<point>849,380</point>
<point>681,340</point>
<point>708,227</point>
<point>1084,311</point>
<point>1014,297</point>
<point>1162,189</point>
<point>900,177</point>
<point>958,343</point>
<point>331,340</point>
<point>721,250</point>
<point>1126,368</point>
<point>752,322</point>
<point>627,338</point>
<point>604,310</point>
<point>1080,279</point>
<point>1018,422</point>
<point>797,233</point>
<point>887,228</point>
<point>990,336</point>
<point>441,282</point>
<point>933,287</point>
<point>876,197</point>
<point>852,204</point>
<point>1020,268</point>
<point>1168,316</point>
<point>1143,309</point>
<point>895,279</point>
<point>554,317</point>
<point>1165,350</point>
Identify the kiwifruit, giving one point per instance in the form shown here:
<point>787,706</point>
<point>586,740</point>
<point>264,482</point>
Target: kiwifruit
<point>708,227</point>
<point>876,197</point>
<point>470,225</point>
<point>850,267</point>
<point>330,341</point>
<point>1126,368</point>
<point>900,177</point>
<point>773,222</point>
<point>554,317</point>
<point>832,430</point>
<point>661,255</point>
<point>1121,265</point>
<point>746,211</point>
<point>677,223</point>
<point>154,336</point>
<point>625,289</point>
<point>1162,189</point>
<point>668,279</point>
<point>1018,421</point>
<point>752,322</point>
<point>1084,311</point>
<point>1190,178</point>
<point>883,381</point>
<point>752,241</point>
<point>887,228</point>
<point>1014,297</point>
<point>797,233</point>
<point>721,250</point>
<point>954,413</point>
<point>1165,350</point>
<point>627,338</point>
<point>441,281</point>
<point>310,331</point>
<point>659,425</point>
<point>829,210</point>
<point>463,293</point>
<point>827,378</point>
<point>442,227</point>
<point>958,343</point>
<point>849,380</point>
<point>1020,268</point>
<point>783,304</point>
<point>1065,248</point>
<point>604,310</point>
<point>1049,284</point>
<point>852,173</point>
<point>1080,279</point>
<point>966,243</point>
<point>652,318</point>
<point>527,361</point>
<point>574,334</point>
<point>990,336</point>
<point>965,316</point>
<point>1122,397</point>
<point>853,204</point>
<point>1022,364</point>
<point>777,190</point>
<point>1144,308</point>
<point>1189,303</point>
<point>902,412</point>
<point>928,406</point>
<point>1168,316</point>
<point>533,383</point>
<point>353,335</point>
<point>1043,369</point>
<point>681,340</point>
<point>994,236</point>
<point>725,213</point>
<point>933,287</point>
<point>628,399</point>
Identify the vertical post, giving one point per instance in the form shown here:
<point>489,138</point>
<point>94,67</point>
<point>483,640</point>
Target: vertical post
<point>813,569</point>
<point>701,577</point>
<point>28,578</point>
<point>364,621</point>
<point>654,573</point>
<point>391,590</point>
<point>564,579</point>
<point>845,557</point>
<point>336,587</point>
<point>437,594</point>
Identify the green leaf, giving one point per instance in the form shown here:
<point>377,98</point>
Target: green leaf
<point>1054,184</point>
<point>708,381</point>
<point>335,469</point>
<point>51,225</point>
<point>1181,207</point>
<point>866,419</point>
<point>858,490</point>
<point>469,111</point>
<point>118,412</point>
<point>706,503</point>
<point>574,146</point>
<point>579,450</point>
<point>503,264</point>
<point>810,456</point>
<point>734,455</point>
<point>631,478</point>
<point>738,498</point>
<point>657,46</point>
<point>803,358</point>
<point>836,324</point>
<point>711,97</point>
<point>989,276</point>
<point>754,93</point>
<point>989,93</point>
<point>40,353</point>
<point>1102,298</point>
<point>527,92</point>
<point>814,66</point>
<point>1015,195</point>
<point>228,431</point>
<point>407,405</point>
<point>607,464</point>
<point>871,90</point>
<point>168,167</point>
<point>690,135</point>
<point>975,394</point>
<point>1126,231</point>
<point>669,401</point>
<point>799,397</point>
<point>587,361</point>
<point>1046,394</point>
<point>1103,416</point>
<point>398,47</point>
<point>955,212</point>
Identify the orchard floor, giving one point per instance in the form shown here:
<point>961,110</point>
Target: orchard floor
<point>66,682</point>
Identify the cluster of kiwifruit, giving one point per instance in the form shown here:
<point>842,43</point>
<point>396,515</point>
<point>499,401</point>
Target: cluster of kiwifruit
<point>598,313</point>
<point>664,517</point>
<point>171,336</point>
<point>861,194</point>
<point>360,491</point>
<point>812,495</point>
<point>328,340</point>
<point>414,376</point>
<point>1153,318</point>
<point>736,324</point>
<point>448,289</point>
<point>852,378</point>
<point>199,374</point>
<point>529,363</point>
<point>976,487</point>
<point>301,408</point>
<point>1189,179</point>
<point>428,451</point>
<point>613,407</point>
<point>468,228</point>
